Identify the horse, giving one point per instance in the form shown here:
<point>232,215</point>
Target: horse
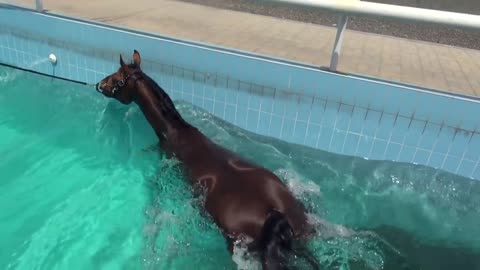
<point>243,198</point>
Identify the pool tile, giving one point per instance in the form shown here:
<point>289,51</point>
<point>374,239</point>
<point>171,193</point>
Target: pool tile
<point>473,151</point>
<point>406,154</point>
<point>91,77</point>
<point>386,126</point>
<point>400,129</point>
<point>279,108</point>
<point>415,129</point>
<point>459,144</point>
<point>210,92</point>
<point>254,102</point>
<point>324,139</point>
<point>300,129</point>
<point>82,75</point>
<point>275,126</point>
<point>305,80</point>
<point>317,111</point>
<point>451,164</point>
<point>357,122</point>
<point>198,101</point>
<point>436,160</point>
<point>252,120</point>
<point>444,140</point>
<point>476,173</point>
<point>287,130</point>
<point>469,116</point>
<point>266,105</point>
<point>392,151</point>
<point>291,109</point>
<point>230,113</point>
<point>406,102</point>
<point>421,157</point>
<point>337,88</point>
<point>219,109</point>
<point>429,136</point>
<point>208,105</point>
<point>241,116</point>
<point>371,123</point>
<point>337,141</point>
<point>231,96</point>
<point>187,89</point>
<point>264,123</point>
<point>73,71</point>
<point>378,150</point>
<point>303,112</point>
<point>371,94</point>
<point>466,168</point>
<point>330,114</point>
<point>344,117</point>
<point>312,135</point>
<point>364,146</point>
<point>177,85</point>
<point>350,144</point>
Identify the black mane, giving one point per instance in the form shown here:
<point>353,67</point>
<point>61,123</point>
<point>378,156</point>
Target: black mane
<point>166,105</point>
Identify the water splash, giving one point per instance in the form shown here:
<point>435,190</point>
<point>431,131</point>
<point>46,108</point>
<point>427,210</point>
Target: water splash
<point>9,76</point>
<point>242,257</point>
<point>298,184</point>
<point>13,74</point>
<point>38,62</point>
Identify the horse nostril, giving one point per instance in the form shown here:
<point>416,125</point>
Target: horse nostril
<point>98,88</point>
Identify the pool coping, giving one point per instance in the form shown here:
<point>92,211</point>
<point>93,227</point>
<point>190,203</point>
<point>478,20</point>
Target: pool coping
<point>247,54</point>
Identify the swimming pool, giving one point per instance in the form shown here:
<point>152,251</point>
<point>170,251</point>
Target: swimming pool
<point>339,113</point>
<point>81,189</point>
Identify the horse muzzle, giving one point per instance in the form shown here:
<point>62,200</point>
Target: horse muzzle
<point>98,88</point>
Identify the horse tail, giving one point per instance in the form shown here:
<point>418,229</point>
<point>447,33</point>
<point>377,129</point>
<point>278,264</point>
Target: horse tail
<point>276,242</point>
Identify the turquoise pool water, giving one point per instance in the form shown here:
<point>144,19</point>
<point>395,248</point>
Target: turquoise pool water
<point>81,188</point>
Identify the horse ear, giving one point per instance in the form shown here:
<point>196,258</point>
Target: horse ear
<point>136,58</point>
<point>122,64</point>
<point>121,61</point>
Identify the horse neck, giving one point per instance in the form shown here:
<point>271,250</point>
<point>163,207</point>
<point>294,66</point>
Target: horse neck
<point>159,109</point>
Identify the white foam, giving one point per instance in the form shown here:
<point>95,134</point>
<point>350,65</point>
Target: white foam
<point>327,229</point>
<point>9,76</point>
<point>241,256</point>
<point>295,183</point>
<point>12,75</point>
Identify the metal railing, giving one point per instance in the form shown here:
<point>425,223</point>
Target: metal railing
<point>39,5</point>
<point>359,8</point>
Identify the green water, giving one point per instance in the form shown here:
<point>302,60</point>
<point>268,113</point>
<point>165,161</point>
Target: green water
<point>78,191</point>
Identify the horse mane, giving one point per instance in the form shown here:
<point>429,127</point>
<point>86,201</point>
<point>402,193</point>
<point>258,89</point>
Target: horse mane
<point>166,104</point>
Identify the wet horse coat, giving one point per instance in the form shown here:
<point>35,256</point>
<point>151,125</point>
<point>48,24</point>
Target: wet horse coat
<point>242,198</point>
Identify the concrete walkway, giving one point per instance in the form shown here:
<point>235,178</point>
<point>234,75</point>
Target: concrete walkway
<point>424,64</point>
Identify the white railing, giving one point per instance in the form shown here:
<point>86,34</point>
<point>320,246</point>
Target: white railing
<point>376,10</point>
<point>39,5</point>
<point>345,8</point>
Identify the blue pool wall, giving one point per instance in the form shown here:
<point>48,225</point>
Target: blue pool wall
<point>343,114</point>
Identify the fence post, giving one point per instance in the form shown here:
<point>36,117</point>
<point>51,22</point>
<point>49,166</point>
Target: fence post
<point>39,5</point>
<point>341,26</point>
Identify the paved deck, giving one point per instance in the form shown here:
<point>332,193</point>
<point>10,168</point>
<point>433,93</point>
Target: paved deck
<point>430,65</point>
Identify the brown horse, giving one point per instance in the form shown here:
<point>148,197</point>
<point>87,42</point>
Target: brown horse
<point>243,198</point>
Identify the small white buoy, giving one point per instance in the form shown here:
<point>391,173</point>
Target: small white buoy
<point>52,58</point>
